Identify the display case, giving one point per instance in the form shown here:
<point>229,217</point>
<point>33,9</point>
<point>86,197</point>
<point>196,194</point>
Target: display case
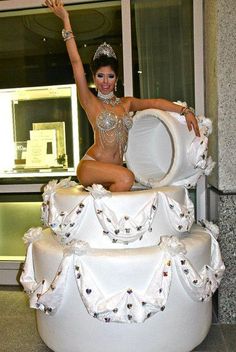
<point>39,140</point>
<point>39,134</point>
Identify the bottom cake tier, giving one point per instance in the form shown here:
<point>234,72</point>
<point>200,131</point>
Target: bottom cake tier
<point>131,300</point>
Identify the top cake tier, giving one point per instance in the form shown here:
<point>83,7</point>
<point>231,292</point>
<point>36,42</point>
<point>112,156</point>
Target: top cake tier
<point>162,151</point>
<point>116,219</point>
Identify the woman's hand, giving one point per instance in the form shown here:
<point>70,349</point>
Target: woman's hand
<point>57,8</point>
<point>192,123</point>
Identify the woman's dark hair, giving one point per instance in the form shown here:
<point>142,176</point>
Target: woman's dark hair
<point>104,60</point>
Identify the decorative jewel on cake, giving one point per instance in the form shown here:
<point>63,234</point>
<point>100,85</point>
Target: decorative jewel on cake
<point>47,310</point>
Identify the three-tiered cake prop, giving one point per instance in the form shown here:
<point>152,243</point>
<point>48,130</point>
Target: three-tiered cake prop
<point>128,271</point>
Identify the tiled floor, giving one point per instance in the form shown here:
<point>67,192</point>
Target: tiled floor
<point>18,329</point>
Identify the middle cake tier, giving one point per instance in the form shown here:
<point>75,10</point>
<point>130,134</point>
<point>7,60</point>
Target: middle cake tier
<point>116,219</point>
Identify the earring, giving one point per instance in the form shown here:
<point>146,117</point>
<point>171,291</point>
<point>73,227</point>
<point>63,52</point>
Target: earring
<point>116,86</point>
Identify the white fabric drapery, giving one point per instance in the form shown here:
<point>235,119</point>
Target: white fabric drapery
<point>116,306</point>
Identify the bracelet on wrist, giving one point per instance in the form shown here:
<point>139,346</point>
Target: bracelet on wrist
<point>72,36</point>
<point>185,110</point>
<point>66,35</point>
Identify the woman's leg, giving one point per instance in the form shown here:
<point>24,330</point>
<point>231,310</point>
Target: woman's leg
<point>115,177</point>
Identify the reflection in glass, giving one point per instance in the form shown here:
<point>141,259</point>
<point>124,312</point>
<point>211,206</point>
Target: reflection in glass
<point>163,45</point>
<point>40,133</point>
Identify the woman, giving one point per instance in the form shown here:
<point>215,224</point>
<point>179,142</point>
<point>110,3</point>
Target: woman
<point>108,115</point>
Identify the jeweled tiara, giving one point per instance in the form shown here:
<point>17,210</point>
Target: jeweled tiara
<point>104,49</point>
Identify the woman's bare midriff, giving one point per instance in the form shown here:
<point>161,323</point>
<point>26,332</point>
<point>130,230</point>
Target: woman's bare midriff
<point>106,155</point>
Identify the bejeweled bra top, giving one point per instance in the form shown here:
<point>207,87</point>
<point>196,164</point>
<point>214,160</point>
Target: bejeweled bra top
<point>113,129</point>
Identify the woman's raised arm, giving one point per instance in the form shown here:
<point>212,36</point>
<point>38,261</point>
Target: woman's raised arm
<point>58,9</point>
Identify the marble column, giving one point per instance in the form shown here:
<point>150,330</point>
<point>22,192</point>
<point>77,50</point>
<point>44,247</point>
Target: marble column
<point>220,98</point>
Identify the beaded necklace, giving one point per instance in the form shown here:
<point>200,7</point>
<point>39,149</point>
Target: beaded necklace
<point>109,98</point>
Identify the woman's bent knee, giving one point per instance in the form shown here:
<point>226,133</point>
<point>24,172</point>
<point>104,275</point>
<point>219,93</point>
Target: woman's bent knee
<point>124,182</point>
<point>129,179</point>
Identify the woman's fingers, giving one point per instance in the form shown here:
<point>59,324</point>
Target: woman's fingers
<point>53,3</point>
<point>189,125</point>
<point>48,3</point>
<point>196,128</point>
<point>192,123</point>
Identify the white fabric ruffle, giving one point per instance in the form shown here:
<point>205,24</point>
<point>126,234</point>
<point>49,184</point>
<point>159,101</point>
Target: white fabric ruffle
<point>126,228</point>
<point>181,216</point>
<point>49,190</point>
<point>120,228</point>
<point>127,305</point>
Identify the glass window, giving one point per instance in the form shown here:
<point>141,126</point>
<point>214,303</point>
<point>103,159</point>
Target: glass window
<point>33,58</point>
<point>39,131</point>
<point>163,49</point>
